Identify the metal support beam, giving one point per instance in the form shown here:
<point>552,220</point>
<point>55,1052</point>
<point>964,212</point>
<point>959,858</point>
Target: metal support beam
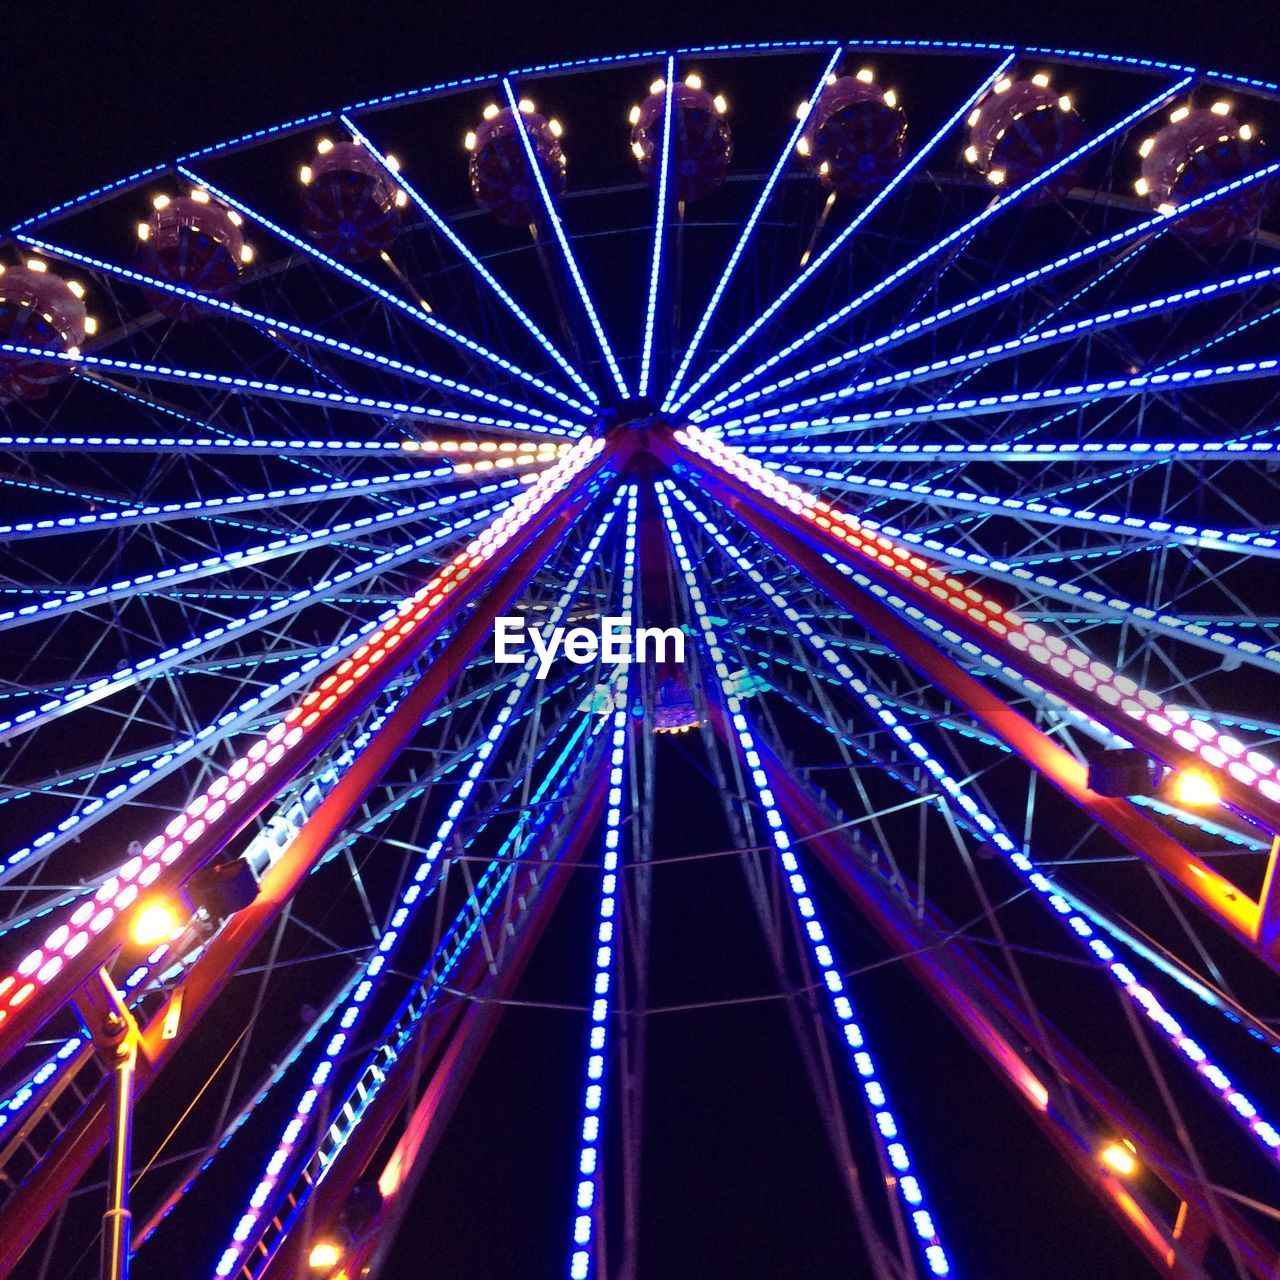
<point>454,1046</point>
<point>115,1035</point>
<point>34,1203</point>
<point>809,547</point>
<point>488,572</point>
<point>985,1008</point>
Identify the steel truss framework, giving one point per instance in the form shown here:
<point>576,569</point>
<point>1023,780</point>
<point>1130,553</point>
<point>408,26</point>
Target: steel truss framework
<point>947,490</point>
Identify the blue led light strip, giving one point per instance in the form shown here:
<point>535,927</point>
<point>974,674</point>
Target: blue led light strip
<point>96,193</point>
<point>887,1131</point>
<point>1242,542</point>
<point>1126,62</point>
<point>162,579</point>
<point>659,229</point>
<point>433,981</point>
<point>278,390</point>
<point>1154,224</point>
<point>993,833</point>
<point>557,226</point>
<point>261,853</point>
<point>200,507</point>
<point>85,695</point>
<point>472,261</point>
<point>243,445</point>
<point>903,174</point>
<point>1006,402</point>
<point>275,325</point>
<point>363,282</point>
<point>59,491</point>
<point>669,404</point>
<point>965,230</point>
<point>510,850</point>
<point>583,1253</point>
<point>250,1221</point>
<point>1076,451</point>
<point>983,357</point>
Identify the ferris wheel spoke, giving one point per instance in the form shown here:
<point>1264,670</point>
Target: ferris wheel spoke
<point>562,239</point>
<point>670,404</point>
<point>259,1210</point>
<point>163,580</point>
<point>458,340</point>
<point>473,262</point>
<point>885,1128</point>
<point>1158,609</point>
<point>258,388</point>
<point>585,1250</point>
<point>1117,524</point>
<point>272,499</point>
<point>1097,452</point>
<point>1005,402</point>
<point>275,326</point>
<point>175,656</point>
<point>1149,226</point>
<point>213,446</point>
<point>663,202</point>
<point>91,496</point>
<point>992,832</point>
<point>955,237</point>
<point>1034,338</point>
<point>903,174</point>
<point>484,699</point>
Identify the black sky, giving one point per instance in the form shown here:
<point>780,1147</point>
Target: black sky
<point>91,94</point>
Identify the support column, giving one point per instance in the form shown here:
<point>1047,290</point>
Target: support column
<point>794,538</point>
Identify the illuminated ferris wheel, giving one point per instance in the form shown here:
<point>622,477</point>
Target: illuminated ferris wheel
<point>934,420</point>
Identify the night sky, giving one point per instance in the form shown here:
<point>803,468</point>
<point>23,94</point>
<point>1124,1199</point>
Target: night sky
<point>738,1179</point>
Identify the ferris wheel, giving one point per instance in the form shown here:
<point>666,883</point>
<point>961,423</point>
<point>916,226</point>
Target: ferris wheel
<point>915,402</point>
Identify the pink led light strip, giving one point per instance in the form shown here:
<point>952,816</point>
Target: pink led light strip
<point>322,704</point>
<point>1074,669</point>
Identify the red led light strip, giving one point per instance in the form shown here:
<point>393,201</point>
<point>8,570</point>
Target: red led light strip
<point>274,759</point>
<point>1249,779</point>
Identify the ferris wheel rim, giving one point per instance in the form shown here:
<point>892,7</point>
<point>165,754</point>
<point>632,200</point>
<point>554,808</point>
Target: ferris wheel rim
<point>681,512</point>
<point>1114,61</point>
